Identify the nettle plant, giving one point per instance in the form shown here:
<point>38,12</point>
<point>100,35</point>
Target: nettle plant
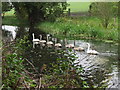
<point>64,73</point>
<point>14,75</point>
<point>12,70</point>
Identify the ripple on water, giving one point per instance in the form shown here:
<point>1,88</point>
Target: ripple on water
<point>99,68</point>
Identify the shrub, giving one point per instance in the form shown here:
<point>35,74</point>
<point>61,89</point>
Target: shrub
<point>87,27</point>
<point>64,73</point>
<point>12,70</point>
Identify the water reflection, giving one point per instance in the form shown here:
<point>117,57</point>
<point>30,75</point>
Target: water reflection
<point>10,31</point>
<point>13,32</point>
<point>98,68</point>
<point>40,55</point>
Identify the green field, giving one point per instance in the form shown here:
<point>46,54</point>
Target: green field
<point>79,6</point>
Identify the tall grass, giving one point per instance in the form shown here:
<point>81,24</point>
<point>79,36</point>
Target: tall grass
<point>89,27</point>
<point>85,27</point>
<point>10,20</point>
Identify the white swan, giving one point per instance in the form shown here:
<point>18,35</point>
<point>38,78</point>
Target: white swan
<point>78,48</point>
<point>35,40</point>
<point>93,52</point>
<point>42,41</point>
<point>57,44</point>
<point>68,45</point>
<point>49,42</point>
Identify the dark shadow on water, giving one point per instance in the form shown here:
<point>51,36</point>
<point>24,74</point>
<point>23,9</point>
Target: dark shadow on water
<point>40,55</point>
<point>97,69</point>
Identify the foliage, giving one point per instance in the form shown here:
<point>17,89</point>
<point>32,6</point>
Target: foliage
<point>7,21</point>
<point>6,7</point>
<point>104,11</point>
<point>64,73</point>
<point>22,44</point>
<point>12,70</point>
<point>83,27</point>
<point>14,75</point>
<point>38,11</point>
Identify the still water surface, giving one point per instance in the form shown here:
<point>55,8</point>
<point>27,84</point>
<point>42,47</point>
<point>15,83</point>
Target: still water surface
<point>98,68</point>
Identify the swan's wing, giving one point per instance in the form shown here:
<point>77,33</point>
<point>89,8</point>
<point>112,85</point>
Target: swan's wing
<point>36,40</point>
<point>92,52</point>
<point>95,52</point>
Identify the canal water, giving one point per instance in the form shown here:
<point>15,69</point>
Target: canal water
<point>100,69</point>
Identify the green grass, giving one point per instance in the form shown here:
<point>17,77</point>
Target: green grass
<point>10,13</point>
<point>11,19</point>
<point>79,6</point>
<point>87,27</point>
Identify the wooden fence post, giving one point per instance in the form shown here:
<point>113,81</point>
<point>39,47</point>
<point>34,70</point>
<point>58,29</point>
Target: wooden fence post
<point>68,11</point>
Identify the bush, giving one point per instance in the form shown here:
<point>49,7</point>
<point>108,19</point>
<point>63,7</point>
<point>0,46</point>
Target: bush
<point>64,73</point>
<point>14,75</point>
<point>87,27</point>
<point>12,70</point>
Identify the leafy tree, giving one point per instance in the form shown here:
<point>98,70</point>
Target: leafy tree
<point>104,11</point>
<point>6,6</point>
<point>34,12</point>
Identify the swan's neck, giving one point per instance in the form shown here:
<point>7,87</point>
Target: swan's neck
<point>33,36</point>
<point>88,47</point>
<point>40,37</point>
<point>47,39</point>
<point>55,41</point>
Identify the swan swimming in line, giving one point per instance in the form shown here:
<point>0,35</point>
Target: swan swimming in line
<point>93,52</point>
<point>57,44</point>
<point>78,48</point>
<point>49,42</point>
<point>35,40</point>
<point>68,45</point>
<point>42,41</point>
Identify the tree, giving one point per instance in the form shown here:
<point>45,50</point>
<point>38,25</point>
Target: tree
<point>6,6</point>
<point>35,12</point>
<point>104,11</point>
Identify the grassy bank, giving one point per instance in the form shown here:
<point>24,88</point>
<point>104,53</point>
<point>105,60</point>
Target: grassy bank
<point>11,19</point>
<point>84,27</point>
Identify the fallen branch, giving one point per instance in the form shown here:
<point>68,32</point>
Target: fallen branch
<point>32,66</point>
<point>40,82</point>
